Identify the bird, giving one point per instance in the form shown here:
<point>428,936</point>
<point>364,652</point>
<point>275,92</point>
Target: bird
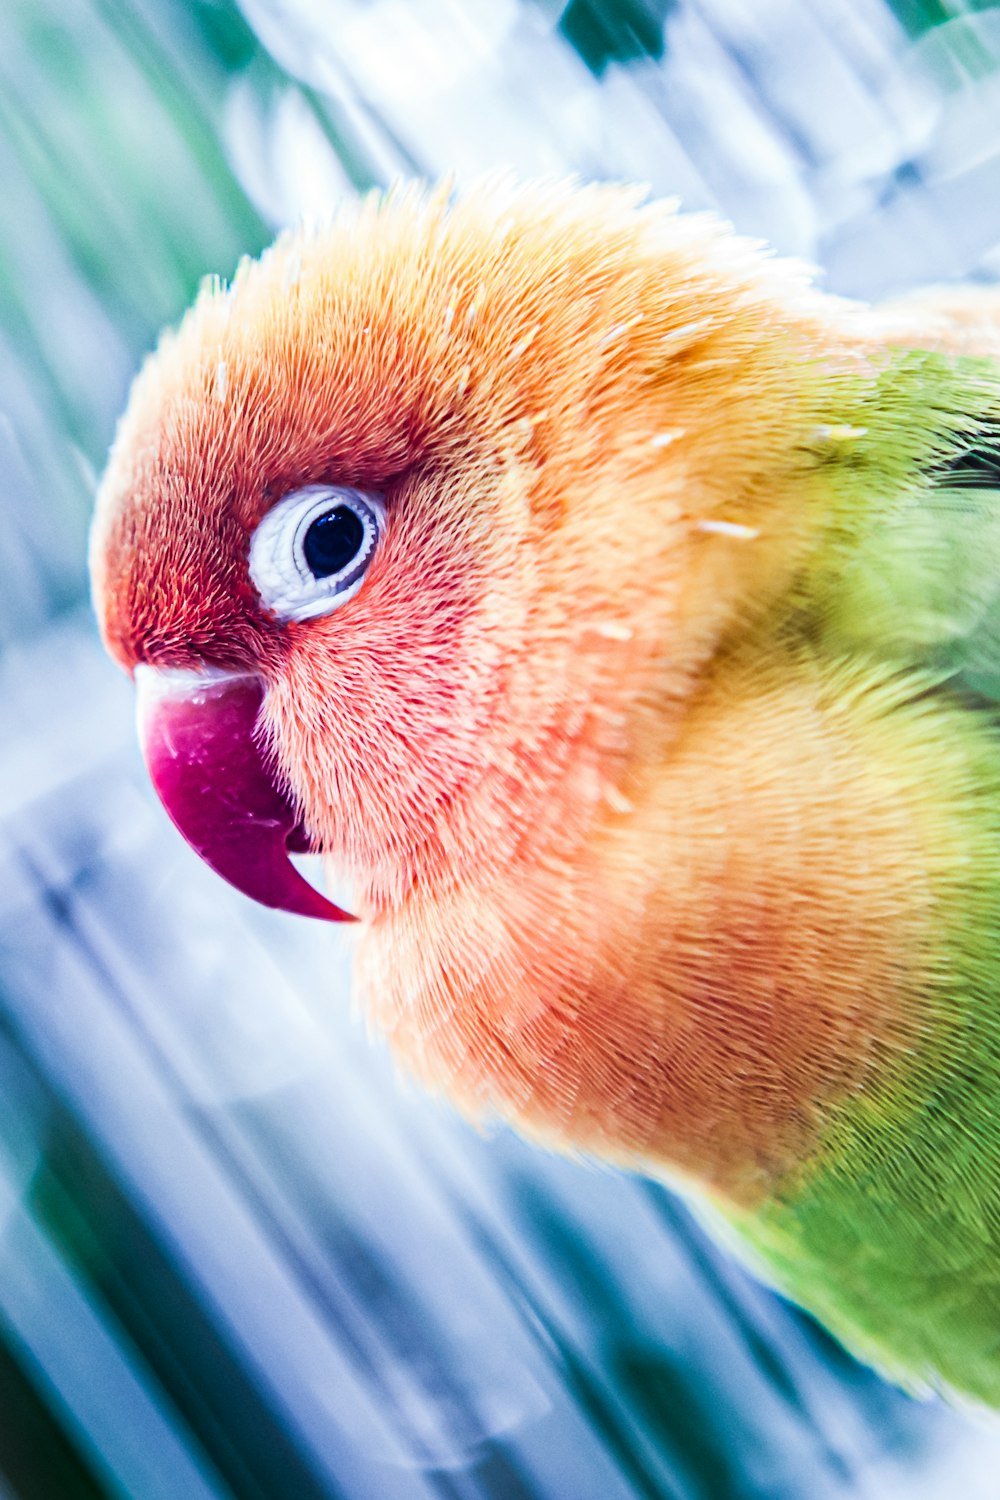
<point>617,612</point>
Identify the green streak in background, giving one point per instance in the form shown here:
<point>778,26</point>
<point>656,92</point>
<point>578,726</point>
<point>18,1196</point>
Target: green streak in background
<point>116,129</point>
<point>607,31</point>
<point>40,1457</point>
<point>37,1459</point>
<point>918,16</point>
<point>119,197</point>
<point>223,32</point>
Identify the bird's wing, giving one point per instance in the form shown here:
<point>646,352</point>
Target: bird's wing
<point>922,586</point>
<point>895,1240</point>
<point>910,570</point>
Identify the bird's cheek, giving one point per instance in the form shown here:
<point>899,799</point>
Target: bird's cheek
<point>326,734</point>
<point>209,762</point>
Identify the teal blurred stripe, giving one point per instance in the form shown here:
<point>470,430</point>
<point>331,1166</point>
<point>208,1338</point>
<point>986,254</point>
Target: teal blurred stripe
<point>82,1368</point>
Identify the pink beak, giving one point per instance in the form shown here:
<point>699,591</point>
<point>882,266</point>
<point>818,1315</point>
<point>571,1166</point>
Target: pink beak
<point>199,735</point>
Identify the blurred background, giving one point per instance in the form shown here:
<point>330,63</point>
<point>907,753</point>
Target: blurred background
<point>237,1259</point>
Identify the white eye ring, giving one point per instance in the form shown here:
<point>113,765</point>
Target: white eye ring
<point>283,575</point>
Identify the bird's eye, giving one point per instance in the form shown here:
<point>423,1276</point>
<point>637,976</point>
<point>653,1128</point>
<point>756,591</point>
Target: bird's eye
<point>311,551</point>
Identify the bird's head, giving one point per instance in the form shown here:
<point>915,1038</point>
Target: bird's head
<point>410,532</point>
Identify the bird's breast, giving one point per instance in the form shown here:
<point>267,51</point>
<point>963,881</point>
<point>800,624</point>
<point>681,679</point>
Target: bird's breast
<point>736,951</point>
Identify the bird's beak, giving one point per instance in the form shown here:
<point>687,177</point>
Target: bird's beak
<point>213,773</point>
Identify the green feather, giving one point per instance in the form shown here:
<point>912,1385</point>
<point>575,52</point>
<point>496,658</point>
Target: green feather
<point>891,1232</point>
<point>909,568</point>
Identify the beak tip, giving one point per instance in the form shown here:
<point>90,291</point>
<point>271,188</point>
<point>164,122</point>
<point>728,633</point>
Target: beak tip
<point>199,738</point>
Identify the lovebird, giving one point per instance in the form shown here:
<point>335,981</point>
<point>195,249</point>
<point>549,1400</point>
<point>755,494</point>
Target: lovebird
<point>618,614</point>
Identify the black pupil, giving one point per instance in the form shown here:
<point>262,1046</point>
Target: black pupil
<point>333,541</point>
